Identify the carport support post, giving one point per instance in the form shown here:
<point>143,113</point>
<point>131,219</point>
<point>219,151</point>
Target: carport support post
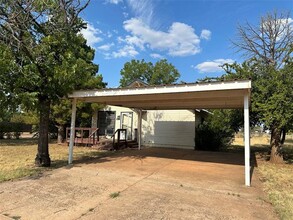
<point>139,127</point>
<point>246,140</point>
<point>72,131</point>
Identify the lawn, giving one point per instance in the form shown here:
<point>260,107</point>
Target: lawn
<point>276,178</point>
<point>17,157</point>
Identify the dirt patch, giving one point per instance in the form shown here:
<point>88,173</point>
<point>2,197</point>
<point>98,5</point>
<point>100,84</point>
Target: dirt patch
<point>152,183</point>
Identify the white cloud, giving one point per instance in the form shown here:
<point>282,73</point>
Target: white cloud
<point>179,40</point>
<point>106,47</point>
<point>205,34</point>
<point>142,9</point>
<point>125,14</point>
<point>120,39</point>
<point>284,21</point>
<point>156,56</point>
<point>114,1</point>
<point>91,34</point>
<point>126,51</point>
<point>131,40</point>
<point>284,24</point>
<point>212,66</point>
<point>109,34</point>
<point>134,40</point>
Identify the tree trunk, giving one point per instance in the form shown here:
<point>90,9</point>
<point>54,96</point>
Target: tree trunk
<point>61,134</point>
<point>42,157</point>
<point>276,146</point>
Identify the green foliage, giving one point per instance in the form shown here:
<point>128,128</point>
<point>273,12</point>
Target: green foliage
<point>61,111</point>
<point>274,97</point>
<point>216,132</point>
<point>161,72</point>
<point>14,123</point>
<point>13,129</point>
<point>51,58</point>
<point>269,47</point>
<point>272,93</point>
<point>8,106</point>
<point>27,117</point>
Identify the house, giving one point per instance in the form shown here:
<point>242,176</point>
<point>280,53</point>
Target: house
<point>160,128</point>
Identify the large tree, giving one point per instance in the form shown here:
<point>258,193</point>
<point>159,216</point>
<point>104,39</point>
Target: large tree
<point>50,57</point>
<point>267,46</point>
<point>161,72</point>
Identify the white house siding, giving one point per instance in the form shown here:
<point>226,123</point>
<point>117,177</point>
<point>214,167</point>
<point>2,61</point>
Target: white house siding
<point>169,128</point>
<point>118,110</point>
<point>163,128</point>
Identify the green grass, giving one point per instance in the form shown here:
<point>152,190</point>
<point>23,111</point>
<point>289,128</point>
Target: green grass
<point>114,195</point>
<point>17,157</point>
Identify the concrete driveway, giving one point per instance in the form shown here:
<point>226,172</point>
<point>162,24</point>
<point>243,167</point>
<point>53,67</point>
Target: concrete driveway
<point>153,183</point>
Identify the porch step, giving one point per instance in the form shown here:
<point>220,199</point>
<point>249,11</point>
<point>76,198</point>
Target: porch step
<point>128,144</point>
<point>104,144</point>
<point>132,144</point>
<point>107,144</point>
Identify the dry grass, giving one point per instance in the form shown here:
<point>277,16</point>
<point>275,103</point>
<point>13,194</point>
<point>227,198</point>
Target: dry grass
<point>261,143</point>
<point>276,178</point>
<point>254,141</point>
<point>17,157</point>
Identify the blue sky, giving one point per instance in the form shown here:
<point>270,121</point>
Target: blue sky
<point>194,35</point>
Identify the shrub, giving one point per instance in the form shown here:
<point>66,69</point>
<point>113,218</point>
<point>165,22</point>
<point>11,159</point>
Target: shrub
<point>212,138</point>
<point>13,129</point>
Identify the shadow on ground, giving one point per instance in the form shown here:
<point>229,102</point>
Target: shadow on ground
<point>229,158</point>
<point>235,158</point>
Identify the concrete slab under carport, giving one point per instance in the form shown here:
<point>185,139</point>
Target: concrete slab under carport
<point>154,183</point>
<point>176,163</point>
<point>183,184</point>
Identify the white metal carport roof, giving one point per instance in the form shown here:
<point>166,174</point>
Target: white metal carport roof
<point>210,95</point>
<point>219,95</point>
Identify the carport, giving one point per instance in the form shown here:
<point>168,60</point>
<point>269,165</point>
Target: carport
<point>209,95</point>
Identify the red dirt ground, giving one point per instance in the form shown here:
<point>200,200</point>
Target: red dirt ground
<point>153,183</point>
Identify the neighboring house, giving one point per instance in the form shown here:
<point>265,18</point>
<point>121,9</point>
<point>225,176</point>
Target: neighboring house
<point>161,128</point>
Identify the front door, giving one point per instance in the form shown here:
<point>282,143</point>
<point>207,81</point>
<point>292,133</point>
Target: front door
<point>126,123</point>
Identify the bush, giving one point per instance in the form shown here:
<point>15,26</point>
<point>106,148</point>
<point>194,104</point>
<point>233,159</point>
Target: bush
<point>211,138</point>
<point>13,129</point>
